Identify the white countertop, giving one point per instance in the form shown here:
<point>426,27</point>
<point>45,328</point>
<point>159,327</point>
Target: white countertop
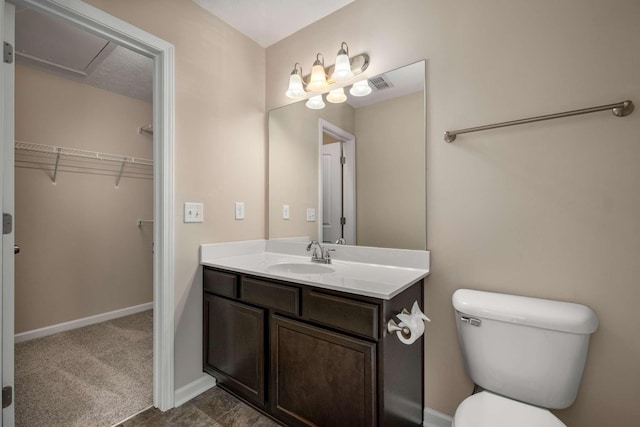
<point>373,272</point>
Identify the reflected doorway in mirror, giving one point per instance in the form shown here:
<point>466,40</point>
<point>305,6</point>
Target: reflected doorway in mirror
<point>337,184</point>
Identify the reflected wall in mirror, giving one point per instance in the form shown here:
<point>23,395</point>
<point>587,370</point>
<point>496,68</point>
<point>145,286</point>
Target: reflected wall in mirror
<point>376,196</point>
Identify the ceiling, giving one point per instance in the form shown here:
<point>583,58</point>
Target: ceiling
<point>56,47</point>
<point>269,21</point>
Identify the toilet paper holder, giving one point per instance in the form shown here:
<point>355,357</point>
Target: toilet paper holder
<point>393,327</point>
<point>404,317</point>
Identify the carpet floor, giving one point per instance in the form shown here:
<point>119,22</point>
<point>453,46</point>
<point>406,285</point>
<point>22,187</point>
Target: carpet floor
<point>93,376</point>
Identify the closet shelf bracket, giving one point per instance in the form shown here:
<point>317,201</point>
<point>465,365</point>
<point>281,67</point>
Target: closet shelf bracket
<point>120,174</point>
<point>55,169</point>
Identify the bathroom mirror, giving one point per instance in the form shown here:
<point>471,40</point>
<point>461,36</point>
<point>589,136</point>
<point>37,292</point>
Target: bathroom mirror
<point>376,195</point>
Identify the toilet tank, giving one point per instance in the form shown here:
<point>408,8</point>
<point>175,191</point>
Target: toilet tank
<point>529,349</point>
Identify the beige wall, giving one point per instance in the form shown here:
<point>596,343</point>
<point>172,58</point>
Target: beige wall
<point>293,164</point>
<point>548,209</point>
<point>390,179</point>
<point>220,154</point>
<point>81,251</point>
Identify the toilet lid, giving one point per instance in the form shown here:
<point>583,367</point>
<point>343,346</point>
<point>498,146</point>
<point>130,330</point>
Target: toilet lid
<point>486,409</point>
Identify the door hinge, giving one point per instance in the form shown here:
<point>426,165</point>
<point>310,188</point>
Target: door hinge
<point>7,396</point>
<point>7,223</point>
<point>343,160</point>
<point>343,220</point>
<point>8,53</point>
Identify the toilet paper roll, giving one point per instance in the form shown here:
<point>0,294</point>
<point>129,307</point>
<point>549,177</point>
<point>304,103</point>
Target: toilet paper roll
<point>416,330</point>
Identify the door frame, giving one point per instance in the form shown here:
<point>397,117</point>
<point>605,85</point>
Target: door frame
<point>7,198</point>
<point>348,179</point>
<point>95,21</point>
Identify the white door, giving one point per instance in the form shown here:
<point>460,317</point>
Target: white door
<point>7,208</point>
<point>331,192</point>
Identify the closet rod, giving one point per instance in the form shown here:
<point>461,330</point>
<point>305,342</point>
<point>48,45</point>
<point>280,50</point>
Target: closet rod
<point>619,109</point>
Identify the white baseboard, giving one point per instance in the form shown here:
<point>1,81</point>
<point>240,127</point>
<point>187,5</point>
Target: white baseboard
<point>193,389</point>
<point>79,323</point>
<point>433,418</point>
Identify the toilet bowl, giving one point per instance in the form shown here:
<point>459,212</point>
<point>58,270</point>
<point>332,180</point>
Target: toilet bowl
<point>486,409</point>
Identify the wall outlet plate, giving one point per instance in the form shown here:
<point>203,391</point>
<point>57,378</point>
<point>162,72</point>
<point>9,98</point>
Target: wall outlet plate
<point>193,212</point>
<point>239,210</point>
<point>285,212</point>
<point>311,215</point>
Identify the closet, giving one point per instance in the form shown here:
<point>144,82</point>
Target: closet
<point>83,178</point>
<point>84,224</point>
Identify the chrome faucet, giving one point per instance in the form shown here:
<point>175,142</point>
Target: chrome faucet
<point>318,253</point>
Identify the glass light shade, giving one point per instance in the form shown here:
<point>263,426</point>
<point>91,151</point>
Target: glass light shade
<point>315,103</point>
<point>295,91</point>
<point>337,96</point>
<point>318,80</point>
<point>342,71</point>
<point>360,88</point>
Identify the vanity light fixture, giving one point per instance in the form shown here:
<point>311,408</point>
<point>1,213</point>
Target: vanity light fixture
<point>360,88</point>
<point>318,81</point>
<point>296,90</point>
<point>345,69</point>
<point>315,103</point>
<point>342,71</point>
<point>336,96</point>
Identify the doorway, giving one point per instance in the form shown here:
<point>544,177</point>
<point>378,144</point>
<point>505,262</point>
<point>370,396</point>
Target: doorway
<point>121,33</point>
<point>337,182</point>
<point>83,183</point>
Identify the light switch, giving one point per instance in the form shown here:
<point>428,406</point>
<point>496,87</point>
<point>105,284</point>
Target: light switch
<point>239,210</point>
<point>193,212</point>
<point>285,211</point>
<point>311,215</point>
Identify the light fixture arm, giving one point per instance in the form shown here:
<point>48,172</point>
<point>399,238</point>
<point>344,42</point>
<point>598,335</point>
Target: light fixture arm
<point>344,49</point>
<point>297,67</point>
<point>319,61</point>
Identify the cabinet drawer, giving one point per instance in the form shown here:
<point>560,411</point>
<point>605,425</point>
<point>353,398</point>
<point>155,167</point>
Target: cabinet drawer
<point>342,313</point>
<point>220,283</point>
<point>283,298</point>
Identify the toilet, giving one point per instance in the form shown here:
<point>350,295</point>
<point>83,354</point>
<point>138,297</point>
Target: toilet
<point>527,354</point>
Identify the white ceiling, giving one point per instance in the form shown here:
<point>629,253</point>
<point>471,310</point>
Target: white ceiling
<point>56,47</point>
<point>269,21</point>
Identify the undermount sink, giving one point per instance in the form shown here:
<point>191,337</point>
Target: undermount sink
<point>299,268</point>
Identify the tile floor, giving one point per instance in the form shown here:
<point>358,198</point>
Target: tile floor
<point>213,408</point>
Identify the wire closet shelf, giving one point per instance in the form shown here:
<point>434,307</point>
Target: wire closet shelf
<point>39,156</point>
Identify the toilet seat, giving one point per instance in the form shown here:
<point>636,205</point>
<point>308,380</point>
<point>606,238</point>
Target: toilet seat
<point>486,409</point>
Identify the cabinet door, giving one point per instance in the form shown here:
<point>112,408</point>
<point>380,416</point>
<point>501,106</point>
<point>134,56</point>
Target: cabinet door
<point>234,346</point>
<point>321,378</point>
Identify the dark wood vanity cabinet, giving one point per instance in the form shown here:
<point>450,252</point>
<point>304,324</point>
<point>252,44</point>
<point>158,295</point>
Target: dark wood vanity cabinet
<point>321,377</point>
<point>234,349</point>
<point>311,357</point>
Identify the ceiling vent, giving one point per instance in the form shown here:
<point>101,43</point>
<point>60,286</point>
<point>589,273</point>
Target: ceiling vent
<point>380,82</point>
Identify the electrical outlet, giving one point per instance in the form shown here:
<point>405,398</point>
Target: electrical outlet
<point>239,210</point>
<point>311,215</point>
<point>285,211</point>
<point>193,212</point>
